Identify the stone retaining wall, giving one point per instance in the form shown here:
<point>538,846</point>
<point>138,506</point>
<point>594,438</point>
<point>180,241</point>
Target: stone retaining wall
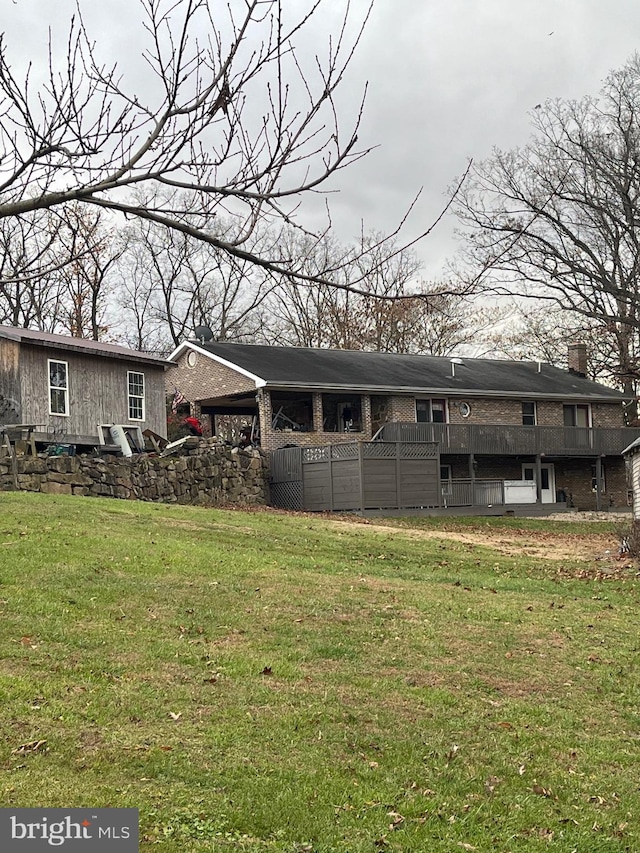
<point>205,473</point>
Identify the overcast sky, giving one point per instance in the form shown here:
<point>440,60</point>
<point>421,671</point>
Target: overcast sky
<point>448,80</point>
<point>451,79</point>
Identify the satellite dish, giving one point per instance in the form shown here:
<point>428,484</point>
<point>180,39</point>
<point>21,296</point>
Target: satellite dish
<point>203,334</point>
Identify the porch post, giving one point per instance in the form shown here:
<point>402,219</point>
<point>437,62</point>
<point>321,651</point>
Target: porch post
<point>330,470</point>
<point>472,477</point>
<point>361,475</point>
<point>598,481</point>
<point>538,479</point>
<point>398,477</point>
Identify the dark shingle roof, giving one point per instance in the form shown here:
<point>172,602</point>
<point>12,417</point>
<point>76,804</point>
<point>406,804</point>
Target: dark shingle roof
<point>372,371</point>
<point>82,345</point>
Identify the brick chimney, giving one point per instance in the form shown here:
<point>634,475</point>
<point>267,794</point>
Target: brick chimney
<point>577,358</point>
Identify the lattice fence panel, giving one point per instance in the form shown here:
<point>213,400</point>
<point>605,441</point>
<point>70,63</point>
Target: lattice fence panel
<point>316,454</point>
<point>287,495</point>
<point>344,451</point>
<point>379,450</point>
<point>421,450</point>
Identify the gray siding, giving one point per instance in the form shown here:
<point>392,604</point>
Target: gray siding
<point>10,401</point>
<point>98,392</point>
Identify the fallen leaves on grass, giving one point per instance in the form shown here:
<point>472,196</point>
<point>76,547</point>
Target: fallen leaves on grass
<point>452,753</point>
<point>396,820</point>
<point>541,791</point>
<point>31,747</point>
<point>491,783</point>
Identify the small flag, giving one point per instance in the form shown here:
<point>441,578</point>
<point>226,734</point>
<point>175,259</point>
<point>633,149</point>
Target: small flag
<point>178,399</point>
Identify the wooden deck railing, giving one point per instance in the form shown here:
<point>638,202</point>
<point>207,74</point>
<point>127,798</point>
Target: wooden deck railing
<point>472,493</point>
<point>505,440</point>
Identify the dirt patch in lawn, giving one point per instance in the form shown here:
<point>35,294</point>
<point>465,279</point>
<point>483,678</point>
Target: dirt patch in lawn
<point>539,544</point>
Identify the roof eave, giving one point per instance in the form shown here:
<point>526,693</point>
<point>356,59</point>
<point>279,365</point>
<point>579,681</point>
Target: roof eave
<point>133,355</point>
<point>189,345</point>
<point>458,392</point>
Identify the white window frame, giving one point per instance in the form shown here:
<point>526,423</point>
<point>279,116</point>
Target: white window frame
<point>136,397</point>
<point>575,406</point>
<point>528,414</point>
<point>64,388</point>
<point>594,479</point>
<point>446,470</point>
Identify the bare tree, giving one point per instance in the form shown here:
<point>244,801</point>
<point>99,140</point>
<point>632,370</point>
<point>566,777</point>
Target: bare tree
<point>53,266</point>
<point>558,219</point>
<point>309,317</point>
<point>372,318</point>
<point>82,284</point>
<point>171,282</point>
<point>533,332</point>
<point>233,112</point>
<point>384,316</point>
<point>28,252</point>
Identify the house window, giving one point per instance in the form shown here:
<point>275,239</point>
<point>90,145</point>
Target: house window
<point>576,416</point>
<point>135,383</point>
<point>594,479</point>
<point>292,411</point>
<point>445,474</point>
<point>58,387</point>
<point>528,413</point>
<point>431,411</point>
<point>341,413</point>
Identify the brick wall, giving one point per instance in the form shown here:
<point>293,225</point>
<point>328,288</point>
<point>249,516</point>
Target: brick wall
<point>607,415</point>
<point>574,476</point>
<point>486,411</point>
<point>402,408</point>
<point>380,406</point>
<point>207,378</point>
<point>490,410</point>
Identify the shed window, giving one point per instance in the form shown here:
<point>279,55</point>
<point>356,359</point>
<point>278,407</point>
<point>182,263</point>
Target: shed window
<point>58,387</point>
<point>341,413</point>
<point>135,383</point>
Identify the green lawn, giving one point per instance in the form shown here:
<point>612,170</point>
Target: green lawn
<point>264,682</point>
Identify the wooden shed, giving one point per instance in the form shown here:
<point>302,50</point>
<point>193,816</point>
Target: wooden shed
<point>63,388</point>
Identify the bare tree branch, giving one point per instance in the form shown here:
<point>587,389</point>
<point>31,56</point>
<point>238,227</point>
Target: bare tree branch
<point>235,111</point>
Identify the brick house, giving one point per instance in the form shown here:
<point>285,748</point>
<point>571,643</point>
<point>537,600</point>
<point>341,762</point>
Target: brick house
<point>494,420</point>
